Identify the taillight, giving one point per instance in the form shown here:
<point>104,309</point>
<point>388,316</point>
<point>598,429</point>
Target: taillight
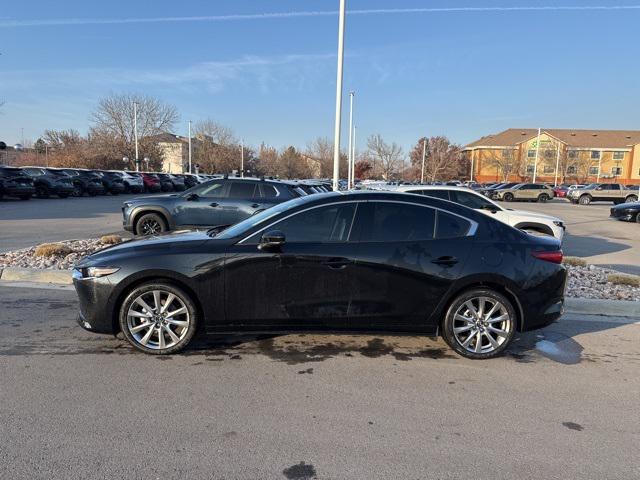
<point>553,257</point>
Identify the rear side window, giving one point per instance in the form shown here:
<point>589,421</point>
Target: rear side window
<point>470,200</point>
<point>451,226</point>
<point>242,190</point>
<point>399,222</point>
<point>318,225</point>
<point>441,194</point>
<point>268,191</point>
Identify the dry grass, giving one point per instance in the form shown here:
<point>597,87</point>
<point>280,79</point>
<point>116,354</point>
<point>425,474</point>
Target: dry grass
<point>52,250</point>
<point>111,239</point>
<point>621,279</point>
<point>575,261</point>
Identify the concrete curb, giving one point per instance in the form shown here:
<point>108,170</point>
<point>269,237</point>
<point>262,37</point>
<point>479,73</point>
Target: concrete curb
<point>59,277</point>
<point>584,306</point>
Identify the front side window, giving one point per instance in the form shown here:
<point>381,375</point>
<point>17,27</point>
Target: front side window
<point>317,225</point>
<point>470,200</point>
<point>399,222</point>
<point>212,190</point>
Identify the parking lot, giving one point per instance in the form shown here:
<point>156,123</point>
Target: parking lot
<point>315,406</point>
<point>590,232</point>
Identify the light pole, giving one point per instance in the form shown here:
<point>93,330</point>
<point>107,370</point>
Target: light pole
<point>349,179</point>
<point>135,132</point>
<point>424,154</point>
<point>555,180</point>
<point>336,133</point>
<point>242,158</point>
<point>535,162</point>
<point>189,146</point>
<point>353,159</point>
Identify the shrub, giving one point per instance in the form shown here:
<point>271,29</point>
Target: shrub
<point>52,250</point>
<point>575,261</point>
<point>621,279</point>
<point>110,239</point>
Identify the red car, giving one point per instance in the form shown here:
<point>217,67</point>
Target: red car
<point>560,191</point>
<point>151,182</point>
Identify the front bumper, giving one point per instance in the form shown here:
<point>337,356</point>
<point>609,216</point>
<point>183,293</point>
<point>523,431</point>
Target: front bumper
<point>18,190</point>
<point>624,215</point>
<point>95,306</point>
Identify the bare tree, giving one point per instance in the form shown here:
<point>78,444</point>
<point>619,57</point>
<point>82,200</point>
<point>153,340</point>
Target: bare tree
<point>387,158</point>
<point>505,161</point>
<point>215,132</point>
<point>267,160</point>
<point>442,159</point>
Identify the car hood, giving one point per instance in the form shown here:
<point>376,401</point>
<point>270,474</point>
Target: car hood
<point>532,215</point>
<point>174,241</point>
<point>169,197</point>
<point>624,206</point>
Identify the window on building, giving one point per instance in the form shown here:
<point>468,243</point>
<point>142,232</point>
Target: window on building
<point>617,171</point>
<point>531,154</point>
<point>618,155</point>
<point>593,170</point>
<point>571,170</point>
<point>506,153</point>
<point>548,153</point>
<point>530,168</point>
<point>549,169</point>
<point>595,154</point>
<point>573,154</point>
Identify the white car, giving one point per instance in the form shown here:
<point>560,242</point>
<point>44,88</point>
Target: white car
<point>530,222</point>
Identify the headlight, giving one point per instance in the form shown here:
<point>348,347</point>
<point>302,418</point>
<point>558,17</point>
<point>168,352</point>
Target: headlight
<point>93,272</point>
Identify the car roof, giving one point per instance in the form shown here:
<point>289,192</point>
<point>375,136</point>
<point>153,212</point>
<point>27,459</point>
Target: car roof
<point>405,188</point>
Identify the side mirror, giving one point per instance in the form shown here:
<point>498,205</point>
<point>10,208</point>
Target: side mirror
<point>192,197</point>
<point>490,208</point>
<point>272,239</point>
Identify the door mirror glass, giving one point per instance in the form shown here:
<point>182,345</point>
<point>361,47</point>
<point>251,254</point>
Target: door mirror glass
<point>271,240</point>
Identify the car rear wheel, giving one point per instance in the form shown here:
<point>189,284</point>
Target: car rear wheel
<point>23,197</point>
<point>150,224</point>
<point>631,198</point>
<point>480,324</point>
<point>158,318</point>
<point>543,198</point>
<point>42,191</point>
<point>63,194</point>
<point>585,200</point>
<point>508,197</point>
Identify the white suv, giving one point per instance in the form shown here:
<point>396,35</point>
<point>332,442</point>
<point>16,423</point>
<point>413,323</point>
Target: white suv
<point>530,222</point>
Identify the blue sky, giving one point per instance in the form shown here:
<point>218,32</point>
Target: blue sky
<point>457,73</point>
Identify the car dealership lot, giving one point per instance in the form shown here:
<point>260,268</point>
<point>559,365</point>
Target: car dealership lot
<point>590,232</point>
<point>337,406</point>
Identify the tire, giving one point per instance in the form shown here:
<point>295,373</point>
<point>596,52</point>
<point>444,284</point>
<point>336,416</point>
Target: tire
<point>638,218</point>
<point>42,191</point>
<point>115,193</point>
<point>22,197</point>
<point>92,193</point>
<point>585,200</point>
<point>150,224</point>
<point>508,197</point>
<point>77,191</point>
<point>543,198</point>
<point>63,195</point>
<point>631,198</point>
<point>484,327</point>
<point>165,334</point>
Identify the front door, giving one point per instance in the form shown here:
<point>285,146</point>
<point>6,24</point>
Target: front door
<point>305,284</point>
<point>408,257</point>
<point>201,206</point>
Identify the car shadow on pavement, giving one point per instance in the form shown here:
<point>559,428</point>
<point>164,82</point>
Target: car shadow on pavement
<point>587,246</point>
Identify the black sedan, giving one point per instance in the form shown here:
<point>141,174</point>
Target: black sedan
<point>361,261</point>
<point>15,183</point>
<point>629,212</point>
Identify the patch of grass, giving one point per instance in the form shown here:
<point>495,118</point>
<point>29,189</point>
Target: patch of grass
<point>111,239</point>
<point>52,250</point>
<point>621,279</point>
<point>574,261</point>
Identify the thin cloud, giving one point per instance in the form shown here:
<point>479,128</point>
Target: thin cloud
<point>300,14</point>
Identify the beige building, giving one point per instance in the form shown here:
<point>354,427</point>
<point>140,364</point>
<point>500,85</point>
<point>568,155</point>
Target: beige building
<point>572,156</point>
<point>175,152</point>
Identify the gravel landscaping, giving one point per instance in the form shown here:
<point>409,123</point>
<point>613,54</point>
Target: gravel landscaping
<point>585,281</point>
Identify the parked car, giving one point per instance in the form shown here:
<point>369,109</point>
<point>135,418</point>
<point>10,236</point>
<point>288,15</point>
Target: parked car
<point>560,191</point>
<point>528,192</point>
<point>48,183</point>
<point>628,212</point>
<point>370,261</point>
<point>132,181</point>
<point>151,182</point>
<point>190,180</point>
<point>111,181</point>
<point>84,181</point>
<point>178,183</point>
<point>603,192</point>
<point>217,202</point>
<point>15,183</point>
<point>166,184</point>
<point>530,222</point>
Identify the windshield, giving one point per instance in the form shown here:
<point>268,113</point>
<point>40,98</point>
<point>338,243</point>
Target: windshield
<point>239,228</point>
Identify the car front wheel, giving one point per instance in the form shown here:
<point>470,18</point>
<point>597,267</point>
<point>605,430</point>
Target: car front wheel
<point>479,324</point>
<point>150,224</point>
<point>543,198</point>
<point>508,197</point>
<point>158,318</point>
<point>585,200</point>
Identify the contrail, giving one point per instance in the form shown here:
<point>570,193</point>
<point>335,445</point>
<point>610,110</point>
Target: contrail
<point>277,15</point>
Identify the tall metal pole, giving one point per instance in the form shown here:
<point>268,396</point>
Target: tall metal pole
<point>336,133</point>
<point>599,165</point>
<point>135,132</point>
<point>242,158</point>
<point>535,164</point>
<point>189,146</point>
<point>349,179</point>
<point>424,154</point>
<point>472,159</point>
<point>353,159</point>
<point>555,180</point>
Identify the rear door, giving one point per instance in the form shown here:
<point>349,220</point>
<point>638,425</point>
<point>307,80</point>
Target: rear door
<point>408,257</point>
<point>242,201</point>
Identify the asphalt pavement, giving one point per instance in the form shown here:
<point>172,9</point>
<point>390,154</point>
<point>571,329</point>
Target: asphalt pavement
<point>561,404</point>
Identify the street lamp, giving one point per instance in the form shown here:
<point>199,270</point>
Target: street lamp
<point>135,132</point>
<point>146,161</point>
<point>336,140</point>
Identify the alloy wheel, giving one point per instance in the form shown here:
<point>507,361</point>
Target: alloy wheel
<point>158,319</point>
<point>482,324</point>
<point>150,226</point>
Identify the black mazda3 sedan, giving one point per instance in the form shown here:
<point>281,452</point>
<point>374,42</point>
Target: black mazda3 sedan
<point>361,261</point>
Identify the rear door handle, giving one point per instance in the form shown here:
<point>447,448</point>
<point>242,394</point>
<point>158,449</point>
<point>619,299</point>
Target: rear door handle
<point>337,263</point>
<point>214,204</point>
<point>447,261</point>
<point>255,205</point>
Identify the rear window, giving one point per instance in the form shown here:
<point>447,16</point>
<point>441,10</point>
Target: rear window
<point>242,190</point>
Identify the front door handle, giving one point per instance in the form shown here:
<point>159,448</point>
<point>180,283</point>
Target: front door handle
<point>214,204</point>
<point>337,263</point>
<point>446,261</point>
